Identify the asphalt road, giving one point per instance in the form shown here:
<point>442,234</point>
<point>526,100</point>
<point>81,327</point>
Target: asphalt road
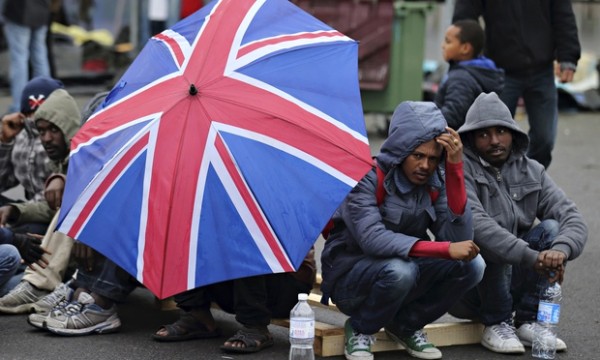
<point>576,168</point>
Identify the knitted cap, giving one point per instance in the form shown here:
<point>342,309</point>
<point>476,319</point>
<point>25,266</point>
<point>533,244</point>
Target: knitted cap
<point>36,91</point>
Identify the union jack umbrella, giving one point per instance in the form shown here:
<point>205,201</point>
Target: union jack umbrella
<point>223,150</point>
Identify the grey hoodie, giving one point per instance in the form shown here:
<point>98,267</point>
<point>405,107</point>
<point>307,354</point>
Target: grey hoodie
<point>506,201</point>
<point>364,229</point>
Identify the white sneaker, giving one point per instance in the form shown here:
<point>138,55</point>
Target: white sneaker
<point>502,338</point>
<point>48,302</point>
<point>527,331</point>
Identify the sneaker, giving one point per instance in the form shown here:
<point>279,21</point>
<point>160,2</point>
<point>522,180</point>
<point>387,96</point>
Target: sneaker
<point>502,338</point>
<point>82,317</point>
<point>55,301</point>
<point>358,346</point>
<point>20,299</point>
<point>526,332</point>
<point>417,345</point>
<point>48,302</point>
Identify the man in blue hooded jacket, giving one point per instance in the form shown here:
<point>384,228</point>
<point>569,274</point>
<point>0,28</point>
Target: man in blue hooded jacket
<point>378,264</point>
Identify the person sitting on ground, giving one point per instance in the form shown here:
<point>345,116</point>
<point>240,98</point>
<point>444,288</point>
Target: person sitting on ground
<point>470,72</point>
<point>254,301</point>
<point>57,120</point>
<point>23,160</point>
<point>508,193</point>
<point>378,264</point>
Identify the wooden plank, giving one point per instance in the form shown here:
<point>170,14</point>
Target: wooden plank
<point>329,339</point>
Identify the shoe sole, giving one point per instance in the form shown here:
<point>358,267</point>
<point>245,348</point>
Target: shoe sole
<point>35,324</point>
<point>502,351</point>
<point>354,357</point>
<point>411,352</point>
<point>20,309</point>
<point>528,344</point>
<point>111,325</point>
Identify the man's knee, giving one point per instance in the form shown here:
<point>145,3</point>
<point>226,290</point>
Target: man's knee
<point>10,257</point>
<point>475,270</point>
<point>398,276</point>
<point>544,234</point>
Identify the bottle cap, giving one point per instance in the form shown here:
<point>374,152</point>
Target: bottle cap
<point>302,296</point>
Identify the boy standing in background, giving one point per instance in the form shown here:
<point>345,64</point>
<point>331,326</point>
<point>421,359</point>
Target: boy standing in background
<point>470,73</point>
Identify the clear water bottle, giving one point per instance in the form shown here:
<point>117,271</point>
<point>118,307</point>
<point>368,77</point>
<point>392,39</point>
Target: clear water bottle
<point>544,336</point>
<point>302,330</point>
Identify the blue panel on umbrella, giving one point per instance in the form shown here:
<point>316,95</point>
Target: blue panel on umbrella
<point>91,159</point>
<point>298,199</point>
<point>155,63</point>
<point>222,235</point>
<point>321,90</point>
<point>190,26</point>
<point>281,18</point>
<point>122,205</point>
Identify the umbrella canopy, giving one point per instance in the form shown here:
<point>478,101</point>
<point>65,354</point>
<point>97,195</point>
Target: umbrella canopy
<point>223,150</point>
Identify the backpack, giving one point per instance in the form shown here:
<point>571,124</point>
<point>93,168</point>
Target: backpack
<point>379,195</point>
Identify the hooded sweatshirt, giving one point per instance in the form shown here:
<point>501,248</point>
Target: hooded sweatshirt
<point>506,201</point>
<point>364,229</point>
<point>61,110</point>
<point>464,82</point>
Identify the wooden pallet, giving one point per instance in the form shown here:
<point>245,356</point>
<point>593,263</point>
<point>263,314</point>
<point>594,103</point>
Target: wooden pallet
<point>329,339</point>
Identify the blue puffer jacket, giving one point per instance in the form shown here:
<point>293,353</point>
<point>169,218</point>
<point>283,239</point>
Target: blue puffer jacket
<point>362,229</point>
<point>464,82</point>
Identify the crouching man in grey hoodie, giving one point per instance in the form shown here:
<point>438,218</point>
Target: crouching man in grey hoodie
<point>508,192</point>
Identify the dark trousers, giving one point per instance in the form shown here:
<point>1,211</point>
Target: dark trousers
<point>106,279</point>
<point>254,300</point>
<point>507,288</point>
<point>402,295</point>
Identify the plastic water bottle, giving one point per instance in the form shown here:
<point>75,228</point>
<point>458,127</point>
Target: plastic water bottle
<point>302,330</point>
<point>544,337</point>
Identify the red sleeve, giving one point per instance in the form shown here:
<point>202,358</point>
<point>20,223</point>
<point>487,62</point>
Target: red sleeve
<point>426,248</point>
<point>455,188</point>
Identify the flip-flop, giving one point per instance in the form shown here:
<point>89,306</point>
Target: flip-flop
<point>253,339</point>
<point>186,328</point>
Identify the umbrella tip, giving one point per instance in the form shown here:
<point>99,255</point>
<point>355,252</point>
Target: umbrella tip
<point>193,90</point>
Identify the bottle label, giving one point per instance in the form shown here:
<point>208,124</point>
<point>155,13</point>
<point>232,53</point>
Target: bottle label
<point>548,312</point>
<point>302,328</point>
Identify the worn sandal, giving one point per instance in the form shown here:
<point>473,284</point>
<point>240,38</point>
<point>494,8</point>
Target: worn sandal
<point>186,328</point>
<point>253,339</point>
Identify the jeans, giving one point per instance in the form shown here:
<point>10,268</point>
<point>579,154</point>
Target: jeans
<point>10,261</point>
<point>402,295</point>
<point>507,288</point>
<point>106,279</point>
<point>25,44</point>
<point>541,103</point>
<point>254,300</point>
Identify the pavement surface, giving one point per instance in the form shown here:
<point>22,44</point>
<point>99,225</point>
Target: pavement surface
<point>576,168</point>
